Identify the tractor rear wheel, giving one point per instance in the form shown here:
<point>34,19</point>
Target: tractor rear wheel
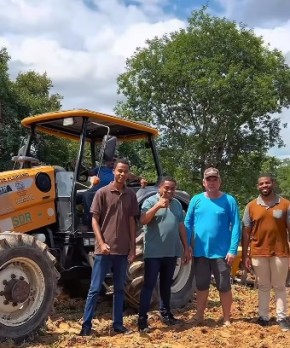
<point>182,289</point>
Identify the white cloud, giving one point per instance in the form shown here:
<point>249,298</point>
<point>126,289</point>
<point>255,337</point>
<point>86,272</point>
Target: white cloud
<point>137,34</point>
<point>277,37</point>
<point>82,48</point>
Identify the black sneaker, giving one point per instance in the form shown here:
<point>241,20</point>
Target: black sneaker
<point>143,325</point>
<point>169,319</point>
<point>85,331</point>
<point>262,322</point>
<point>284,325</point>
<point>122,330</point>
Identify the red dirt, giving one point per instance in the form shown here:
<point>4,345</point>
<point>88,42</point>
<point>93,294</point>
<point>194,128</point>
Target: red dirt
<point>64,325</point>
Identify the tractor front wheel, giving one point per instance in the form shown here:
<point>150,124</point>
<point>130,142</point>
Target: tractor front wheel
<point>28,284</point>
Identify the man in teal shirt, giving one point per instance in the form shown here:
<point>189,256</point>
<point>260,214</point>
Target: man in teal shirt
<point>213,220</point>
<point>163,218</point>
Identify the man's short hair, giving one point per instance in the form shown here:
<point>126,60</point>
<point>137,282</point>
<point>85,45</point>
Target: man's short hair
<point>267,175</point>
<point>211,172</point>
<point>123,161</point>
<point>167,178</point>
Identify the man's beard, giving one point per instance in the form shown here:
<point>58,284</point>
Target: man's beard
<point>266,194</point>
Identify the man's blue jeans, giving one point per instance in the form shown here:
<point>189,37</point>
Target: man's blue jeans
<point>119,264</point>
<point>165,267</point>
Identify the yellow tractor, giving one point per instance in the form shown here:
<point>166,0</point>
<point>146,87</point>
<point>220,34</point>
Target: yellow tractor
<point>42,236</point>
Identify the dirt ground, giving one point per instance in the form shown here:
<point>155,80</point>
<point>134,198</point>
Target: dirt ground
<point>64,325</point>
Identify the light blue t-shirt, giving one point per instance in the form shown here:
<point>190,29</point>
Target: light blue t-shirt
<point>161,238</point>
<point>214,225</point>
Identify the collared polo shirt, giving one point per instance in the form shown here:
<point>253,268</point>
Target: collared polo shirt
<point>268,226</point>
<point>161,235</point>
<point>114,209</point>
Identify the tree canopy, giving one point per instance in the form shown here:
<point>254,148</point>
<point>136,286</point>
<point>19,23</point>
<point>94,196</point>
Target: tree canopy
<point>215,90</point>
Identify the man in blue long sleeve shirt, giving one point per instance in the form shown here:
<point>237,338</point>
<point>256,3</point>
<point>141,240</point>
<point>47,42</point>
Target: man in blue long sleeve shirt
<point>212,223</point>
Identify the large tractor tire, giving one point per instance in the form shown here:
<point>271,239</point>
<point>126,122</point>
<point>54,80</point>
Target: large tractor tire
<point>28,285</point>
<point>182,289</point>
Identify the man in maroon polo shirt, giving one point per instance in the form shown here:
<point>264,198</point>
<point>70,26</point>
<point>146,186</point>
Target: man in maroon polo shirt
<point>114,209</point>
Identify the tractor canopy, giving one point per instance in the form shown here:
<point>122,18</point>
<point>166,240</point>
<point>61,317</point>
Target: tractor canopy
<point>69,124</point>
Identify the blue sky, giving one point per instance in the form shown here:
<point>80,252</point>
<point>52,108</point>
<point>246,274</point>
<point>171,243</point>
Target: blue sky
<point>83,44</point>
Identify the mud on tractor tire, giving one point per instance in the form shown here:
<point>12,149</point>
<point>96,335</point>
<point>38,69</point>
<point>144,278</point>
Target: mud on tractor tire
<point>28,284</point>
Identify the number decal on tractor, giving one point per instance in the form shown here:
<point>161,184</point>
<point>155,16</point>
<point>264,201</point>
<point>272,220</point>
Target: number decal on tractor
<point>21,219</point>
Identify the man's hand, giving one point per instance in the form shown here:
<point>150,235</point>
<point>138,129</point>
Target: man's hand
<point>105,249</point>
<point>131,256</point>
<point>95,180</point>
<point>186,256</point>
<point>143,182</point>
<point>230,258</point>
<point>247,264</point>
<point>190,251</point>
<point>163,202</point>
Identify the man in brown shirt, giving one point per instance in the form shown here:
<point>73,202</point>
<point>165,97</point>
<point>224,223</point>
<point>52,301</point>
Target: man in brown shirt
<point>266,231</point>
<point>114,209</point>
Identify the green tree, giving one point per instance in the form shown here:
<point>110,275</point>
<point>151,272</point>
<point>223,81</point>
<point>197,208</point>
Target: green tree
<point>5,94</point>
<point>280,170</point>
<point>212,89</point>
<point>283,178</point>
<point>29,94</point>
